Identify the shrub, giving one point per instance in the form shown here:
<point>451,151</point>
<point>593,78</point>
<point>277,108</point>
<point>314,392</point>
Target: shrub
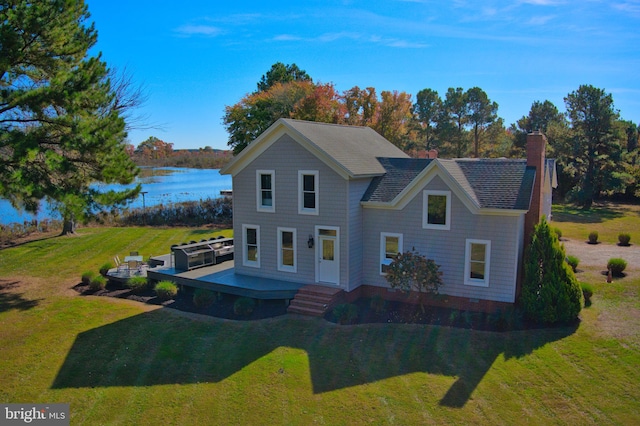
<point>378,304</point>
<point>105,268</point>
<point>87,276</point>
<point>573,262</point>
<point>137,284</point>
<point>166,290</point>
<point>550,291</point>
<point>345,313</point>
<point>98,283</point>
<point>593,237</point>
<point>587,292</point>
<point>203,298</point>
<point>624,239</point>
<point>412,270</point>
<point>616,265</point>
<point>558,232</point>
<point>243,306</point>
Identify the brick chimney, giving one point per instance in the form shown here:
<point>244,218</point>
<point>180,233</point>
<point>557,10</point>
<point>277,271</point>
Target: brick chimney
<point>536,145</point>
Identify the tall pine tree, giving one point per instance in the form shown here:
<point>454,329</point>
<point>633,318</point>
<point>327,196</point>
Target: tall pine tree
<point>61,116</point>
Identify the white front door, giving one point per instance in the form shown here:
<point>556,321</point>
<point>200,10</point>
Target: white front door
<point>327,253</point>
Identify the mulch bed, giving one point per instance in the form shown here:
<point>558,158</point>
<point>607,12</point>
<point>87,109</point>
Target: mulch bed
<point>392,312</point>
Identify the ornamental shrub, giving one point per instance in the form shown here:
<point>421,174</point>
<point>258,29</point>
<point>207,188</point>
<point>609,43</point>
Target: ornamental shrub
<point>593,237</point>
<point>558,232</point>
<point>137,284</point>
<point>203,298</point>
<point>166,290</point>
<point>105,268</point>
<point>616,265</point>
<point>98,283</point>
<point>624,238</point>
<point>587,292</point>
<point>550,291</point>
<point>87,276</point>
<point>345,313</point>
<point>573,262</point>
<point>412,270</point>
<point>243,306</point>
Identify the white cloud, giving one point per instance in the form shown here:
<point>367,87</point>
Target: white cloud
<point>203,30</point>
<point>632,7</point>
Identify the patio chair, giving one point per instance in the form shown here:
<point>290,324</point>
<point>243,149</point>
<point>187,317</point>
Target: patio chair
<point>119,265</point>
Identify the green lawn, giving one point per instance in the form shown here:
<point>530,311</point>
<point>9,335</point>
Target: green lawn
<point>608,220</point>
<point>119,362</point>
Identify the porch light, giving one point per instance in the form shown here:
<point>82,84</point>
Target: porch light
<point>310,241</point>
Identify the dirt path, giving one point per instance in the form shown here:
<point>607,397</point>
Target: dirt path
<point>599,254</point>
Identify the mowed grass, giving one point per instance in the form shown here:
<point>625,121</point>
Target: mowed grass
<point>120,362</point>
<point>609,220</point>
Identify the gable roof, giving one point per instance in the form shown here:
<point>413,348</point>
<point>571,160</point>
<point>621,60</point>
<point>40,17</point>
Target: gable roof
<point>349,150</point>
<point>482,183</point>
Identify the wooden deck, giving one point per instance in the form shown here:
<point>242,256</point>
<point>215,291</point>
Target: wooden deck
<point>222,278</point>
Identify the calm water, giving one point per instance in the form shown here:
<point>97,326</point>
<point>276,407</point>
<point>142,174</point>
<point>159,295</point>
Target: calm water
<point>163,185</point>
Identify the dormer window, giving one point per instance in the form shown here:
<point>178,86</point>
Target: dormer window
<point>436,213</point>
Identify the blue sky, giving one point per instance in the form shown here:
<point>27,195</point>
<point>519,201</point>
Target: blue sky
<point>196,57</point>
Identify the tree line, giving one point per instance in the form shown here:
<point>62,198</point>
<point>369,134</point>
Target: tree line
<point>155,152</point>
<point>596,151</point>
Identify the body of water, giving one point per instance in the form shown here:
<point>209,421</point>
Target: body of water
<point>163,185</point>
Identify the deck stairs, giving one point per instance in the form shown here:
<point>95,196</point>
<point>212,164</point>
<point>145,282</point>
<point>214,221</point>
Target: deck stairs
<point>315,300</point>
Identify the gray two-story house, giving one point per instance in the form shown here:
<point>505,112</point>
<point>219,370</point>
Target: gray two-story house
<point>326,204</point>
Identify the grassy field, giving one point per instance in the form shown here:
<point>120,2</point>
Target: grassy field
<point>120,362</point>
<point>608,220</point>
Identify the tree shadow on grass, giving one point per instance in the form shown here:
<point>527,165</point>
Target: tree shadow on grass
<point>575,214</point>
<point>10,300</point>
<point>155,348</point>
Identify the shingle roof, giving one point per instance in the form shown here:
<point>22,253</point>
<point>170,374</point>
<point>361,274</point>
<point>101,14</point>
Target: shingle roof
<point>490,183</point>
<point>355,148</point>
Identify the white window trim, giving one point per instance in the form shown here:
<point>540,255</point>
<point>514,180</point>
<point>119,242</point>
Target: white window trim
<point>425,210</point>
<point>281,266</point>
<point>467,264</point>
<point>301,209</point>
<point>383,248</point>
<point>259,206</point>
<point>245,252</point>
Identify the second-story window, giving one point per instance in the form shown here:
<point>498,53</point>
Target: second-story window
<point>265,193</point>
<point>308,192</point>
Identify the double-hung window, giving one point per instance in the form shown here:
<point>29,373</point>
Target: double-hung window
<point>308,192</point>
<point>390,246</point>
<point>251,255</point>
<point>436,210</point>
<point>477,262</point>
<point>287,249</point>
<point>265,190</point>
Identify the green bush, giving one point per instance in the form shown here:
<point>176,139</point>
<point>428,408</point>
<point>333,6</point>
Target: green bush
<point>243,306</point>
<point>617,266</point>
<point>105,268</point>
<point>378,304</point>
<point>557,231</point>
<point>203,298</point>
<point>593,237</point>
<point>550,291</point>
<point>87,276</point>
<point>624,238</point>
<point>166,290</point>
<point>587,292</point>
<point>345,313</point>
<point>98,283</point>
<point>573,262</point>
<point>137,284</point>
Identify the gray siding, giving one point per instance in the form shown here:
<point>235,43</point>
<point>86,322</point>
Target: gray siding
<point>286,157</point>
<point>355,236</point>
<point>447,248</point>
